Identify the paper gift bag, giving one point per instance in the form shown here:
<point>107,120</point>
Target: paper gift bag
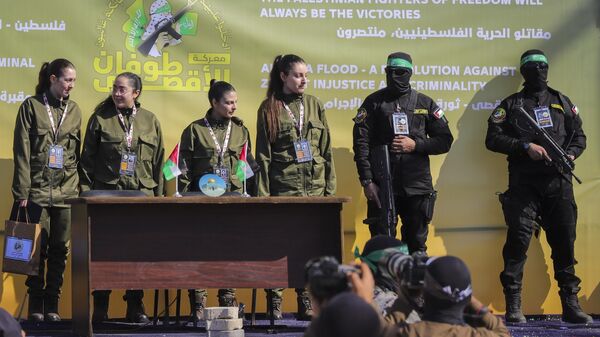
<point>22,244</point>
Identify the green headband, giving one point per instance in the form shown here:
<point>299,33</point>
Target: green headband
<point>398,62</point>
<point>534,58</point>
<point>373,258</point>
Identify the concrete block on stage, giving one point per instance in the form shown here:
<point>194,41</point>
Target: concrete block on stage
<point>220,313</point>
<point>224,324</point>
<point>230,333</point>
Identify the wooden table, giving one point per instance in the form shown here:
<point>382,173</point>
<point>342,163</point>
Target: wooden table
<point>197,242</point>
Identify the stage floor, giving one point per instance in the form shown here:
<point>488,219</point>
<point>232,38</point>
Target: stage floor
<point>536,326</point>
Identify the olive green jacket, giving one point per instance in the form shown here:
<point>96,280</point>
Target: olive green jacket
<point>198,154</point>
<point>280,174</point>
<point>488,326</point>
<point>33,179</point>
<point>104,144</point>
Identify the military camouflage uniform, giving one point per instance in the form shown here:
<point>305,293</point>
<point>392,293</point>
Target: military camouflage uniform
<point>105,142</point>
<point>34,180</point>
<point>280,174</point>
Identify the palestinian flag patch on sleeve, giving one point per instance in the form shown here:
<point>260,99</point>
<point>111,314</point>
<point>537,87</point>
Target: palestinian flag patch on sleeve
<point>575,110</point>
<point>439,113</point>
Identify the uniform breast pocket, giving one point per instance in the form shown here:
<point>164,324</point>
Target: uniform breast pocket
<point>558,129</point>
<point>147,145</point>
<point>40,142</point>
<point>286,134</point>
<point>232,157</point>
<point>315,131</point>
<point>202,161</point>
<point>72,141</point>
<point>110,145</point>
<point>418,124</point>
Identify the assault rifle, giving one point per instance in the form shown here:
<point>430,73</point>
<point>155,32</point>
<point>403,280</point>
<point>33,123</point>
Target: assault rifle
<point>380,164</point>
<point>165,25</point>
<point>560,159</point>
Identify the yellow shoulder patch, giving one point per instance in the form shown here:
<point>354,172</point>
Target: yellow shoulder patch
<point>557,106</point>
<point>421,111</point>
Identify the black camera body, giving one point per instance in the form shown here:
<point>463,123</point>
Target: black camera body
<point>326,277</point>
<point>408,270</point>
<point>414,275</point>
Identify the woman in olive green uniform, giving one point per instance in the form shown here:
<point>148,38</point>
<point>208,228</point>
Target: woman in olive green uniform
<point>213,144</point>
<point>293,146</point>
<point>123,150</point>
<point>215,141</point>
<point>46,151</point>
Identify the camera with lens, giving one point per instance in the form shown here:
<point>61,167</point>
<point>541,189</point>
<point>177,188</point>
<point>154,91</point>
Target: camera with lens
<point>409,270</point>
<point>326,277</point>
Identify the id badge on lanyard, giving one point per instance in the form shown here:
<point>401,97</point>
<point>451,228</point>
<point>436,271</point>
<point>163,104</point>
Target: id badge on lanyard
<point>219,169</point>
<point>128,158</point>
<point>400,122</point>
<point>55,152</point>
<point>55,156</point>
<point>302,149</point>
<point>127,166</point>
<point>542,116</point>
<point>222,172</point>
<point>301,146</point>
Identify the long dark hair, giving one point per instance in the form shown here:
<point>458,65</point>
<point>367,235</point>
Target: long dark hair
<point>281,64</point>
<point>218,89</point>
<point>136,83</point>
<point>48,69</point>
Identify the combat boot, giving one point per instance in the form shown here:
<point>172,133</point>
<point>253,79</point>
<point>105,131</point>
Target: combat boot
<point>197,305</point>
<point>228,301</point>
<point>136,312</point>
<point>571,311</point>
<point>305,312</point>
<point>276,305</point>
<point>35,310</point>
<point>513,308</point>
<point>100,314</point>
<point>51,309</point>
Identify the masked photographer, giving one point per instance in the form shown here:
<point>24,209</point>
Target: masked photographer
<point>398,286</point>
<point>398,279</point>
<point>449,309</point>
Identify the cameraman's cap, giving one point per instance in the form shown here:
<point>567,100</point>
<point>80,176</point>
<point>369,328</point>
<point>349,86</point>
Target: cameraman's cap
<point>374,249</point>
<point>447,278</point>
<point>399,60</point>
<point>533,55</point>
<point>347,315</point>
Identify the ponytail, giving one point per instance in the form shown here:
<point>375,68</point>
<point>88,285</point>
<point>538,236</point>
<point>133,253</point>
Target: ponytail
<point>218,89</point>
<point>281,64</point>
<point>134,81</point>
<point>48,69</point>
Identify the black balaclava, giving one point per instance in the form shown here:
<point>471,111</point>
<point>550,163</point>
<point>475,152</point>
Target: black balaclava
<point>347,315</point>
<point>534,68</point>
<point>398,73</point>
<point>447,290</point>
